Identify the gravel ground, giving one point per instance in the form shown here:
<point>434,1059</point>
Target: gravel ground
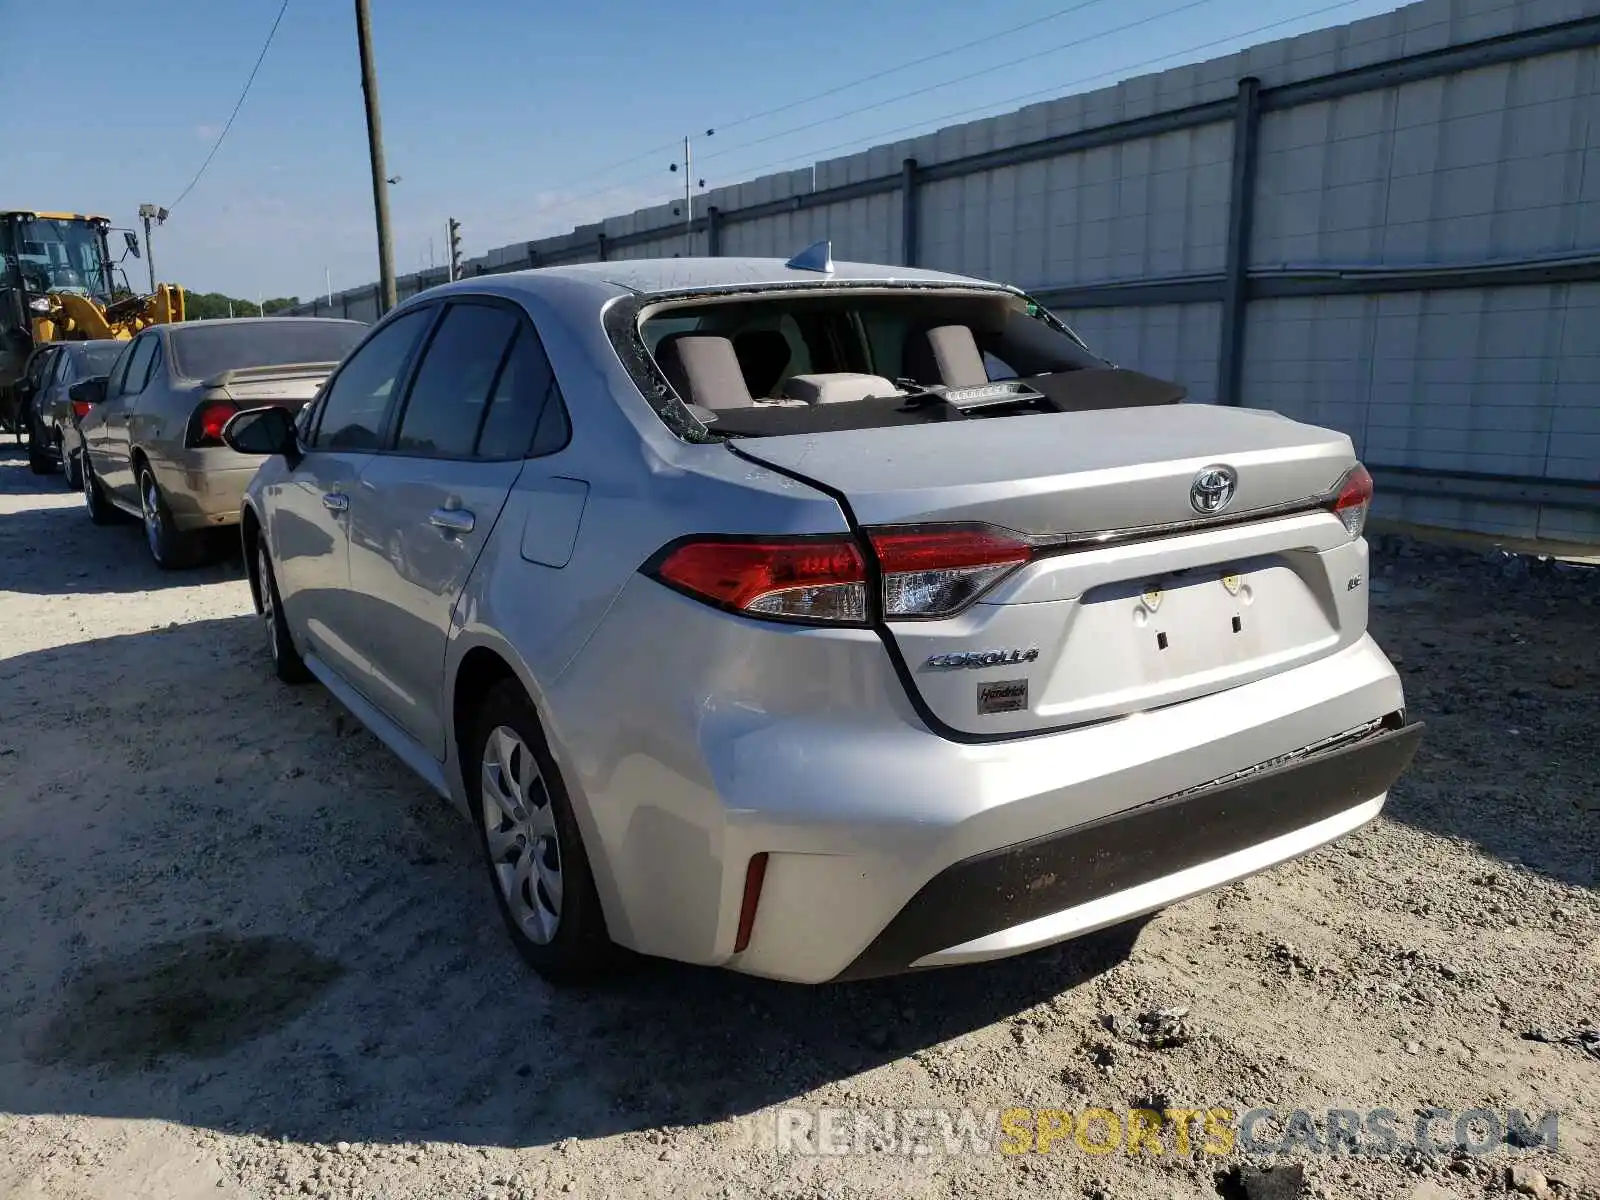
<point>246,955</point>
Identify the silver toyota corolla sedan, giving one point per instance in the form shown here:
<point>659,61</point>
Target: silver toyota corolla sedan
<point>822,620</point>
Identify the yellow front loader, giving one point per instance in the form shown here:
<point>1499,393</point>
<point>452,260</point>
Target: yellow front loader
<point>57,284</point>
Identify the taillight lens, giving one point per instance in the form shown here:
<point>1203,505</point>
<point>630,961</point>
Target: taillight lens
<point>80,409</point>
<point>928,571</point>
<point>205,427</point>
<point>822,579</point>
<point>1353,499</point>
<point>937,570</point>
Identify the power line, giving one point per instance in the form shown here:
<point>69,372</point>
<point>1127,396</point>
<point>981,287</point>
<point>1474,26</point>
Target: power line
<point>217,145</point>
<point>930,124</point>
<point>1053,90</point>
<point>915,62</point>
<point>944,83</point>
<point>792,104</point>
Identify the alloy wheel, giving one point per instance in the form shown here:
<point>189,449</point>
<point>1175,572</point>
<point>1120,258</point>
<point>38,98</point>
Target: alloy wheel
<point>269,610</point>
<point>150,503</point>
<point>519,827</point>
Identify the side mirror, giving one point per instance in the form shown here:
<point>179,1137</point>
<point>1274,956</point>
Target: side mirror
<point>88,391</point>
<point>267,430</point>
<point>132,241</point>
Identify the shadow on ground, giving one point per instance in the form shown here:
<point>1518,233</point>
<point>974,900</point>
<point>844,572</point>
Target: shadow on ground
<point>288,935</point>
<point>48,545</point>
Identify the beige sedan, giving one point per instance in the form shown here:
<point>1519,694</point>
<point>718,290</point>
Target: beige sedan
<point>152,437</point>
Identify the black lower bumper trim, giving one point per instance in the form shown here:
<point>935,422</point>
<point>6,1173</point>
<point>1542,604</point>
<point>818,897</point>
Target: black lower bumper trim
<point>1020,883</point>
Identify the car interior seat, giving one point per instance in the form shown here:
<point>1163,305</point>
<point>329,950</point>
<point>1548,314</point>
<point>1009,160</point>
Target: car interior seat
<point>704,371</point>
<point>943,354</point>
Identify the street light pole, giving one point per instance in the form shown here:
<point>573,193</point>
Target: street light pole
<point>148,213</point>
<point>380,183</point>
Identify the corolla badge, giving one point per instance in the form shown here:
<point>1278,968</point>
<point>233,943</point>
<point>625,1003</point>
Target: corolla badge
<point>983,658</point>
<point>1213,489</point>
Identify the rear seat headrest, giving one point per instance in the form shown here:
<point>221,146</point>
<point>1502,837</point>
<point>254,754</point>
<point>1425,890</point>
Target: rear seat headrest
<point>703,370</point>
<point>946,354</point>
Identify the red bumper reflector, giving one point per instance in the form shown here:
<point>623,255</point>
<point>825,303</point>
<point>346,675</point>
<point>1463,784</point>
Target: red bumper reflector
<point>754,876</point>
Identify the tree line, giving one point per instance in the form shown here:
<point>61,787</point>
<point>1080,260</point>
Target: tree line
<point>209,306</point>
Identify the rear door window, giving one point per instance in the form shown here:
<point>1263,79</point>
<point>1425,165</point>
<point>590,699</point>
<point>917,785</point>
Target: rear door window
<point>447,401</point>
<point>525,392</point>
<point>357,401</point>
<point>119,371</point>
<point>138,368</point>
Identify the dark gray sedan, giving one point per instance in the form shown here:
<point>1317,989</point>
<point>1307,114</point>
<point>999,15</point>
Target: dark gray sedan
<point>53,438</point>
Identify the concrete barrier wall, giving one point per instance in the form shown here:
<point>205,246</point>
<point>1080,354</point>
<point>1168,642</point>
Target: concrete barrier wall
<point>1390,227</point>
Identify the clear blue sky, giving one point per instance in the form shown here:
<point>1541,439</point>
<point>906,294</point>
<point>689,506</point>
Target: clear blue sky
<point>507,114</point>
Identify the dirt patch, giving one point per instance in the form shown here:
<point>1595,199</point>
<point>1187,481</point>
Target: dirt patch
<point>198,997</point>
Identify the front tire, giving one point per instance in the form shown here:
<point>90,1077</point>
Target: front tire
<point>172,549</point>
<point>531,843</point>
<point>287,664</point>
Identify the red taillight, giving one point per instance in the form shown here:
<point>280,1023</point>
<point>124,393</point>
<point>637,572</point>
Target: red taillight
<point>801,578</point>
<point>1353,499</point>
<point>934,570</point>
<point>80,408</point>
<point>208,421</point>
<point>928,571</point>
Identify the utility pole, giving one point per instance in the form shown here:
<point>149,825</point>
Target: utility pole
<point>380,182</point>
<point>327,275</point>
<point>148,213</point>
<point>688,193</point>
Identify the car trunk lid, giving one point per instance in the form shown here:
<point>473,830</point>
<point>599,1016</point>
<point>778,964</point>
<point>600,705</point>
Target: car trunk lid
<point>288,385</point>
<point>1133,597</point>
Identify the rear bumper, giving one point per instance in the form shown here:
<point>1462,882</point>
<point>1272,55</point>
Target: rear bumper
<point>1064,884</point>
<point>728,739</point>
<point>205,487</point>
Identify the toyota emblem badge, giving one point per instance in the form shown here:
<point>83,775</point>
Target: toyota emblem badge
<point>1213,489</point>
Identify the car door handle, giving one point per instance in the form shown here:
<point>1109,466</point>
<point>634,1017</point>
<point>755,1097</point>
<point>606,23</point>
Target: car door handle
<point>335,501</point>
<point>452,520</point>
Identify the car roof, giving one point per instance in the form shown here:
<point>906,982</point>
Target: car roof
<point>208,322</point>
<point>649,276</point>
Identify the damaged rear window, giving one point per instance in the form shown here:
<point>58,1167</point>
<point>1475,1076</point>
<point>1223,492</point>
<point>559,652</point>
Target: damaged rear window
<point>816,359</point>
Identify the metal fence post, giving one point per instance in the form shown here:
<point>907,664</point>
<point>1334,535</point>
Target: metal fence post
<point>600,247</point>
<point>909,211</point>
<point>1241,211</point>
<point>713,230</point>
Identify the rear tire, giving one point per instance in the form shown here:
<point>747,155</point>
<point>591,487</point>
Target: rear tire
<point>71,471</point>
<point>100,510</point>
<point>531,843</point>
<point>171,548</point>
<point>287,664</point>
<point>39,460</point>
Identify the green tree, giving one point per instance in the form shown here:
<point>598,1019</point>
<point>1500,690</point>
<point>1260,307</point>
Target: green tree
<point>210,306</point>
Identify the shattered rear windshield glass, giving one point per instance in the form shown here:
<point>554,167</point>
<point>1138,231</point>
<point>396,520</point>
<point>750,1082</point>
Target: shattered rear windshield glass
<point>818,359</point>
